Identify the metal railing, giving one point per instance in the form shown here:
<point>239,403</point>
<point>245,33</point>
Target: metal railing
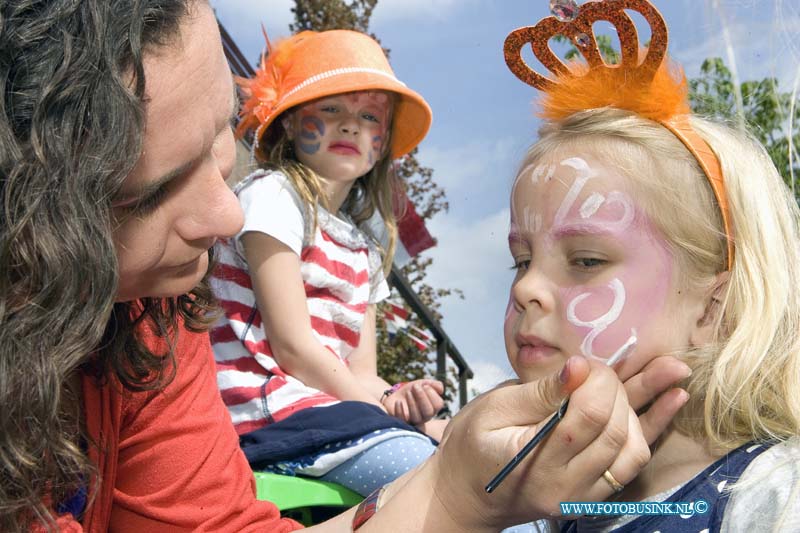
<point>444,346</point>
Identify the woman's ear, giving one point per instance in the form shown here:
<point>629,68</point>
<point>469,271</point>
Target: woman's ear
<point>706,325</point>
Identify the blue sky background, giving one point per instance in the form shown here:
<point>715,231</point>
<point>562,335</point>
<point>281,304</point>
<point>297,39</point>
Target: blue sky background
<point>451,52</point>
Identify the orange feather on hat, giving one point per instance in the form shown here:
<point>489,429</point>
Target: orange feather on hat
<point>263,91</point>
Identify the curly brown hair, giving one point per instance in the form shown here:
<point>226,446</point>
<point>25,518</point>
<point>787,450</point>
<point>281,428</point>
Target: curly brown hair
<point>71,129</point>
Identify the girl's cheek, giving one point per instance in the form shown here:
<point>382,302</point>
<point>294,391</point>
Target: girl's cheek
<point>509,322</point>
<point>597,318</point>
<point>375,149</point>
<point>312,129</point>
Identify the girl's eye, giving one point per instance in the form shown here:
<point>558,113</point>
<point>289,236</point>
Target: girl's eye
<point>588,263</point>
<point>329,109</point>
<point>521,265</point>
<point>370,117</point>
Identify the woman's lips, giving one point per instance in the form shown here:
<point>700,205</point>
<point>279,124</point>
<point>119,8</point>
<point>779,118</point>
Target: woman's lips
<point>344,148</point>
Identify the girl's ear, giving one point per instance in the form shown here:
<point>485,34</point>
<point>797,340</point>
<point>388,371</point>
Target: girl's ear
<point>706,325</point>
<point>288,125</point>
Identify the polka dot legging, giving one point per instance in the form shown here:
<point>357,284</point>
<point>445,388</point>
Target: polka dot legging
<point>380,464</point>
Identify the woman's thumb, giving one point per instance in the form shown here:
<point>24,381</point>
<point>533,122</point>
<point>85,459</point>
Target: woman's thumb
<point>545,395</point>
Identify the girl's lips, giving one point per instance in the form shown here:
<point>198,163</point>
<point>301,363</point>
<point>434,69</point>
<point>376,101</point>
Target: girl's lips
<point>344,148</point>
<point>530,354</point>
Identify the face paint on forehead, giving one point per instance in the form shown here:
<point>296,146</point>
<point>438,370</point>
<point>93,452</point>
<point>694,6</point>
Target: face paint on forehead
<point>536,172</point>
<point>367,98</point>
<point>583,174</point>
<point>529,221</point>
<point>592,205</point>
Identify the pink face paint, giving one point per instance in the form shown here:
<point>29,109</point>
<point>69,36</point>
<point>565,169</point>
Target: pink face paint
<point>608,315</point>
<point>373,102</point>
<point>601,317</point>
<point>342,136</point>
<point>600,323</point>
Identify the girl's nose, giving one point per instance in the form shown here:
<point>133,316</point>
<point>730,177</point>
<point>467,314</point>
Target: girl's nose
<point>349,124</point>
<point>533,289</point>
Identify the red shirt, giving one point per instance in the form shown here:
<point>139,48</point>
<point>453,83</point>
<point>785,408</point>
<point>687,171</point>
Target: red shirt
<point>170,460</point>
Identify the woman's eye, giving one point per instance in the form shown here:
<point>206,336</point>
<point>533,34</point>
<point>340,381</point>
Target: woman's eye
<point>151,203</point>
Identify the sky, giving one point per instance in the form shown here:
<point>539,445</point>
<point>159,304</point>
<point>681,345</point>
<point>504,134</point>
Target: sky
<point>451,52</point>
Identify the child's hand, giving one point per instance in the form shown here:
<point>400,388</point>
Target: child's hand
<point>416,402</point>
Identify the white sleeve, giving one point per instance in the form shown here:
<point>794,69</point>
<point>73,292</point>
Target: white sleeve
<point>379,289</point>
<point>271,206</point>
<point>767,495</point>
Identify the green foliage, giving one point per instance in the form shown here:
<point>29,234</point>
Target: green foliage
<point>766,111</point>
<point>321,15</point>
<point>398,358</point>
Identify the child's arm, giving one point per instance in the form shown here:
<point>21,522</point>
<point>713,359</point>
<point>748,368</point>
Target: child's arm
<point>416,402</point>
<point>281,299</point>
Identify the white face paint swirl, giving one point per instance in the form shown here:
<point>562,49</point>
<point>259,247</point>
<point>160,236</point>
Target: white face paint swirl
<point>584,174</point>
<point>588,209</point>
<point>595,201</point>
<point>532,222</point>
<point>599,324</point>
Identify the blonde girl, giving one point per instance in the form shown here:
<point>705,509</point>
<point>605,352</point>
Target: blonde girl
<point>634,219</point>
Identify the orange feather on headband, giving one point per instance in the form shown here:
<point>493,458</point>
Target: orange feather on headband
<point>657,98</point>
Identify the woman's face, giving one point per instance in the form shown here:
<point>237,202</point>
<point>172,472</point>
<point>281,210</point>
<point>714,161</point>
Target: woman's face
<point>341,137</point>
<point>175,203</point>
<point>592,271</point>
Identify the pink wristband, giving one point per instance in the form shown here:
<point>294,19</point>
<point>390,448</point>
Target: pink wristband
<point>388,392</point>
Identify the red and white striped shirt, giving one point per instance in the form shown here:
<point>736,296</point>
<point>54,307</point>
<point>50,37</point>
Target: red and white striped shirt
<point>341,271</point>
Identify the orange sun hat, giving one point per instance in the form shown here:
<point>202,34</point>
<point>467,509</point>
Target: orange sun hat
<point>312,65</point>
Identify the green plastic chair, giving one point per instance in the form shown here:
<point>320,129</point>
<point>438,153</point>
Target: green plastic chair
<point>308,501</point>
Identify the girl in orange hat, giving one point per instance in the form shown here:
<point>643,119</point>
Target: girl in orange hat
<point>296,347</point>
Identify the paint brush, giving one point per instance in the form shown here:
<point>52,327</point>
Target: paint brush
<point>624,350</point>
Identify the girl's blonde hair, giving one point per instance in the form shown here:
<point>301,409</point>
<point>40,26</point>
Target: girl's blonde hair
<point>745,383</point>
<point>373,191</point>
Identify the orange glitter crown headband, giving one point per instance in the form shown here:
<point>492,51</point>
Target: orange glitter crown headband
<point>652,88</point>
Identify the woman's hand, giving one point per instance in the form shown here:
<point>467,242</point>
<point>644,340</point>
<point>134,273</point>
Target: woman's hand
<point>600,431</point>
<point>416,402</point>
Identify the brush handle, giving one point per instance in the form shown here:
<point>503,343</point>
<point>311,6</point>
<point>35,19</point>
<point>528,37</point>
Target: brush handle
<point>546,429</point>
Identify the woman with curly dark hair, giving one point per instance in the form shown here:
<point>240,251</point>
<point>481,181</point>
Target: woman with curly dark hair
<point>115,142</point>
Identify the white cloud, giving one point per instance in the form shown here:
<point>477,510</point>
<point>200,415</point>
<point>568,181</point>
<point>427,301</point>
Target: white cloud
<point>487,375</point>
<point>472,256</point>
<point>468,166</point>
<point>760,49</point>
<point>472,251</point>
